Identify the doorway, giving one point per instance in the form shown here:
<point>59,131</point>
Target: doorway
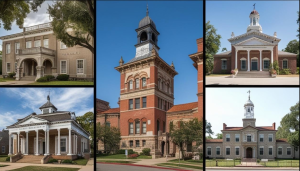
<point>254,64</point>
<point>163,148</point>
<point>249,152</point>
<point>44,148</point>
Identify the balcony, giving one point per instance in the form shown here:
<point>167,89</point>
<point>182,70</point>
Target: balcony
<point>36,50</point>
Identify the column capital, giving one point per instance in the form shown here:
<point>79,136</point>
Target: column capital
<point>26,131</point>
<point>58,129</point>
<point>37,130</point>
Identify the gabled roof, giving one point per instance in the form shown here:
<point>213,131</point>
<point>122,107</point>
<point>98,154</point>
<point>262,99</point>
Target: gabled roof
<point>55,116</point>
<point>183,107</point>
<point>257,33</point>
<point>227,53</point>
<point>214,140</point>
<point>285,53</point>
<point>48,104</point>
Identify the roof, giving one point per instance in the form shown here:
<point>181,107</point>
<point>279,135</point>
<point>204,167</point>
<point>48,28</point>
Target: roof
<point>214,140</point>
<point>260,128</point>
<point>48,104</point>
<point>146,21</point>
<point>183,107</point>
<point>285,53</point>
<point>282,140</point>
<point>55,116</point>
<point>254,12</point>
<point>248,103</point>
<point>140,57</point>
<point>224,53</point>
<point>112,110</point>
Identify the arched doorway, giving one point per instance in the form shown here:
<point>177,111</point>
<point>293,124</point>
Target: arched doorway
<point>48,67</point>
<point>249,152</point>
<point>163,148</point>
<point>29,67</point>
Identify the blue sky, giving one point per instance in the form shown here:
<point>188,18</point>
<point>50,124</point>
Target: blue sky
<point>179,23</point>
<point>227,104</point>
<point>233,16</point>
<point>17,103</point>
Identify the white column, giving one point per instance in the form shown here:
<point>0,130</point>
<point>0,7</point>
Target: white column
<point>253,152</point>
<point>58,142</point>
<point>32,68</point>
<point>45,142</point>
<point>26,144</point>
<point>48,140</point>
<point>236,58</point>
<point>272,57</point>
<point>260,52</point>
<point>70,144</point>
<point>18,145</point>
<point>76,145</point>
<point>248,60</point>
<point>9,143</point>
<point>37,143</point>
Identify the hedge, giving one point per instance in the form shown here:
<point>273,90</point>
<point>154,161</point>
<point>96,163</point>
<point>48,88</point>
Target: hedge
<point>63,77</point>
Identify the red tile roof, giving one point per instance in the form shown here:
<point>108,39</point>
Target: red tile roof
<point>183,107</point>
<point>112,110</point>
<point>214,140</point>
<point>282,140</point>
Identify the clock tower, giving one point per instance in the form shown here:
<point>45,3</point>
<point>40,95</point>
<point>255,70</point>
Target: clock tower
<point>249,113</point>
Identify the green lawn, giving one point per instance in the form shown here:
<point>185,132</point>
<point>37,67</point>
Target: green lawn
<point>3,165</point>
<point>222,163</point>
<point>6,79</point>
<point>3,158</point>
<point>120,156</point>
<point>116,161</point>
<point>281,163</point>
<point>194,162</point>
<point>81,161</point>
<point>63,83</point>
<point>174,165</point>
<point>38,168</point>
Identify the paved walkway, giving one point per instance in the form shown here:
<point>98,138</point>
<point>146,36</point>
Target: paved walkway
<point>16,82</point>
<point>222,80</point>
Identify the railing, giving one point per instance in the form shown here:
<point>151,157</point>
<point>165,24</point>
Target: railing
<point>280,163</point>
<point>38,26</point>
<point>35,50</point>
<point>222,163</point>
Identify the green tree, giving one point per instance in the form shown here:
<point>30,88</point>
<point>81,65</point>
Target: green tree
<point>12,10</point>
<point>298,23</point>
<point>78,16</point>
<point>212,45</point>
<point>219,136</point>
<point>224,49</point>
<point>109,136</point>
<point>208,128</point>
<point>293,47</point>
<point>209,137</point>
<point>87,123</point>
<point>289,126</point>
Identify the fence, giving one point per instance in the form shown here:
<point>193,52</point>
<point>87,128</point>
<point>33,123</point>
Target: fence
<point>222,163</point>
<point>279,163</point>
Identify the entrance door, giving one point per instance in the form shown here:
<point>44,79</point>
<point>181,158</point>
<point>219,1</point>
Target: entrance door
<point>254,64</point>
<point>162,148</point>
<point>44,148</point>
<point>249,152</point>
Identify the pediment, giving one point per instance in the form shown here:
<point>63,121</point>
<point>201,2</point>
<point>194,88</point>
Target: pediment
<point>254,42</point>
<point>32,120</point>
<point>249,128</point>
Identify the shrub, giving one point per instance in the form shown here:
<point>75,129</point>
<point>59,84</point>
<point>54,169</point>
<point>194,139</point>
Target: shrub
<point>297,70</point>
<point>146,151</point>
<point>285,71</point>
<point>50,77</point>
<point>257,160</point>
<point>273,71</point>
<point>52,160</point>
<point>42,79</point>
<point>11,75</point>
<point>63,77</point>
<point>130,151</point>
<point>131,156</point>
<point>67,161</point>
<point>7,159</point>
<point>121,151</point>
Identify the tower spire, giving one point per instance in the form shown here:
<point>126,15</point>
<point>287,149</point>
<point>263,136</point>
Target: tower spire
<point>249,94</point>
<point>147,13</point>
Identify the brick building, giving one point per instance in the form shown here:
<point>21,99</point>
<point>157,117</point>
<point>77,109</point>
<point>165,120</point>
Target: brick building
<point>254,51</point>
<point>4,142</point>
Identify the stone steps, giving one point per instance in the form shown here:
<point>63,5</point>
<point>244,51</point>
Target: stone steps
<point>31,159</point>
<point>253,74</point>
<point>28,78</point>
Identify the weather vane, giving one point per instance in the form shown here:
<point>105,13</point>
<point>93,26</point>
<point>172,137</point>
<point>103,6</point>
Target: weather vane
<point>254,5</point>
<point>249,94</point>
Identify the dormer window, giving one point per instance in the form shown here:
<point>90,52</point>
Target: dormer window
<point>46,111</point>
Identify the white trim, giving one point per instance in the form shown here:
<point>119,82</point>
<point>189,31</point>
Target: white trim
<point>287,63</point>
<point>56,144</point>
<point>7,67</point>
<point>254,58</point>
<point>224,59</point>
<point>265,58</point>
<point>243,58</point>
<point>60,66</point>
<point>82,66</point>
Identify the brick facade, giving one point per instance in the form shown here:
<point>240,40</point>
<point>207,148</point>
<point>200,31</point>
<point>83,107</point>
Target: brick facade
<point>4,138</point>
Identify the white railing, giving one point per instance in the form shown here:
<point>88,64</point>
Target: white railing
<point>36,50</point>
<point>38,26</point>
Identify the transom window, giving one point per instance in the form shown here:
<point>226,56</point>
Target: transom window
<point>224,64</point>
<point>80,66</point>
<point>285,64</point>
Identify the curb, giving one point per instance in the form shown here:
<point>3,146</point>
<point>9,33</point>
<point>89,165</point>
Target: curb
<point>144,166</point>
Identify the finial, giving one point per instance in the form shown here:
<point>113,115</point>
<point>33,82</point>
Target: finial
<point>48,98</point>
<point>254,6</point>
<point>147,13</point>
<point>172,65</point>
<point>249,94</point>
<point>121,61</point>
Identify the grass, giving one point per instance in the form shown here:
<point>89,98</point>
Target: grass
<point>1,165</point>
<point>116,161</point>
<point>38,168</point>
<point>81,161</point>
<point>3,158</point>
<point>7,79</point>
<point>281,163</point>
<point>173,165</point>
<point>194,162</point>
<point>120,156</point>
<point>63,83</point>
<point>222,163</point>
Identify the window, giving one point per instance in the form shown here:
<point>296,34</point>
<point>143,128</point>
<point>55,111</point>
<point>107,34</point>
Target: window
<point>288,151</point>
<point>37,43</point>
<point>28,44</point>
<point>159,83</point>
<point>137,83</point>
<point>279,150</point>
<point>62,46</point>
<point>130,85</point>
<point>144,83</point>
<point>17,46</point>
<point>45,111</point>
<point>137,103</point>
<point>164,126</point>
<point>130,128</point>
<point>243,64</point>
<point>107,124</point>
<point>254,21</point>
<point>227,137</point>
<point>3,149</point>
<point>144,143</point>
<point>261,137</point>
<point>46,43</point>
<point>270,137</point>
<point>7,48</point>
<point>270,150</point>
<point>130,104</point>
<point>80,66</point>
<point>224,64</point>
<point>144,102</point>
<point>266,63</point>
<point>248,138</point>
<point>227,151</point>
<point>131,144</point>
<point>285,64</point>
<point>237,151</point>
<point>261,151</point>
<point>218,150</point>
<point>144,127</point>
<point>63,67</point>
<point>137,143</point>
<point>7,67</point>
<point>237,137</point>
<point>208,151</point>
<point>63,145</point>
<point>137,127</point>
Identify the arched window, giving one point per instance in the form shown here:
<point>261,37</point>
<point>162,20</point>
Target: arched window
<point>130,127</point>
<point>144,37</point>
<point>130,85</point>
<point>137,83</point>
<point>137,126</point>
<point>153,37</point>
<point>144,83</point>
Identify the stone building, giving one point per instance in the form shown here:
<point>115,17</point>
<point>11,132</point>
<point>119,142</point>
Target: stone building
<point>254,51</point>
<point>37,52</point>
<point>250,141</point>
<point>52,133</point>
<point>4,142</point>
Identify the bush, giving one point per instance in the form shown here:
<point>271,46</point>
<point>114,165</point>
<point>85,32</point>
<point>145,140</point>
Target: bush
<point>130,151</point>
<point>131,156</point>
<point>42,79</point>
<point>121,151</point>
<point>146,151</point>
<point>258,161</point>
<point>297,70</point>
<point>52,160</point>
<point>7,159</point>
<point>63,77</point>
<point>67,161</point>
<point>285,71</point>
<point>50,77</point>
<point>11,75</point>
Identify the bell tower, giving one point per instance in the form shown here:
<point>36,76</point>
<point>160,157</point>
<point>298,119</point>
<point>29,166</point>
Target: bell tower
<point>254,21</point>
<point>249,113</point>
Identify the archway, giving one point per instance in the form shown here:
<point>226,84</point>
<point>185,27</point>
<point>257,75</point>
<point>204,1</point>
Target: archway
<point>29,67</point>
<point>249,152</point>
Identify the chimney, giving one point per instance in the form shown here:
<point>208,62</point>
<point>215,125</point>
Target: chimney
<point>274,127</point>
<point>224,126</point>
<point>200,44</point>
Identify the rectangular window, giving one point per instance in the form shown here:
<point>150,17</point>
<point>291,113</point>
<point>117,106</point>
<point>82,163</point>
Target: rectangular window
<point>284,64</point>
<point>243,64</point>
<point>137,103</point>
<point>7,48</point>
<point>227,151</point>
<point>237,137</point>
<point>248,138</point>
<point>45,111</point>
<point>63,67</point>
<point>46,43</point>
<point>261,151</point>
<point>227,137</point>
<point>17,47</point>
<point>266,64</point>
<point>270,151</point>
<point>131,128</point>
<point>130,85</point>
<point>130,104</point>
<point>218,150</point>
<point>224,64</point>
<point>144,102</point>
<point>144,143</point>
<point>37,43</point>
<point>80,66</point>
<point>28,44</point>
<point>261,137</point>
<point>63,144</point>
<point>288,151</point>
<point>209,151</point>
<point>62,46</point>
<point>270,137</point>
<point>144,127</point>
<point>237,151</point>
<point>137,127</point>
<point>280,151</point>
<point>3,149</point>
<point>137,143</point>
<point>131,144</point>
<point>144,83</point>
<point>7,67</point>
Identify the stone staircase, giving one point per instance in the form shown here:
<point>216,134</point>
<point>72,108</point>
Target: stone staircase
<point>253,74</point>
<point>31,159</point>
<point>28,78</point>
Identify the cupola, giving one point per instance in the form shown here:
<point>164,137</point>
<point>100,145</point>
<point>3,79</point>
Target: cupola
<point>249,108</point>
<point>254,21</point>
<point>48,107</point>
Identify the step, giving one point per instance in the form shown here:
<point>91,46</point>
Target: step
<point>28,78</point>
<point>253,74</point>
<point>31,159</point>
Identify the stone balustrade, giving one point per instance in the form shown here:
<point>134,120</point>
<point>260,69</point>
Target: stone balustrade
<point>36,50</point>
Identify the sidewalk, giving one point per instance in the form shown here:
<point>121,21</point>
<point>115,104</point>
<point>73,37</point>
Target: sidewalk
<point>16,82</point>
<point>89,166</point>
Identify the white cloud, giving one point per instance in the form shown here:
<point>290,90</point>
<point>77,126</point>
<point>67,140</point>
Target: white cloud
<point>9,118</point>
<point>39,17</point>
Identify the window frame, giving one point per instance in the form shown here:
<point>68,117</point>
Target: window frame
<point>8,48</point>
<point>144,127</point>
<point>144,82</point>
<point>266,59</point>
<point>63,151</point>
<point>227,151</point>
<point>209,150</point>
<point>261,136</point>
<point>237,136</point>
<point>3,149</point>
<point>17,48</point>
<point>287,63</point>
<point>218,151</point>
<point>137,127</point>
<point>269,137</point>
<point>290,150</point>
<point>144,102</point>
<point>261,151</point>
<point>243,60</point>
<point>137,103</point>
<point>77,62</point>
<point>223,60</point>
<point>62,67</point>
<point>8,67</point>
<point>62,45</point>
<point>227,139</point>
<point>279,152</point>
<point>131,143</point>
<point>137,83</point>
<point>143,143</point>
<point>130,104</point>
<point>130,85</point>
<point>46,40</point>
<point>131,129</point>
<point>34,43</point>
<point>271,151</point>
<point>137,143</point>
<point>237,151</point>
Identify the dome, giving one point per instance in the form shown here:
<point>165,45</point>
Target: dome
<point>249,103</point>
<point>145,21</point>
<point>254,12</point>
